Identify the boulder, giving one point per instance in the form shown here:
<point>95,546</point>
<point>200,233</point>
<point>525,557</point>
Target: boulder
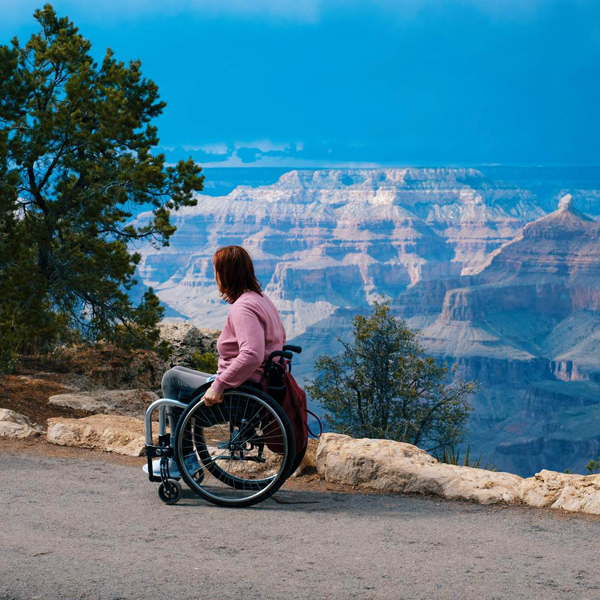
<point>186,339</point>
<point>391,466</point>
<point>575,493</point>
<point>110,433</point>
<point>16,425</point>
<point>129,403</point>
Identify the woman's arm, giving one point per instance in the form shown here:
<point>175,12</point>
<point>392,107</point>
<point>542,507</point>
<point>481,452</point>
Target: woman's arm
<point>250,336</point>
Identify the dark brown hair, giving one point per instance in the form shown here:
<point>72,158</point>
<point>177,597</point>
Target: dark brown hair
<point>234,267</point>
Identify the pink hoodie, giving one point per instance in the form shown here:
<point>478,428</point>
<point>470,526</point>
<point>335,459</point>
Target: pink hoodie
<point>252,331</point>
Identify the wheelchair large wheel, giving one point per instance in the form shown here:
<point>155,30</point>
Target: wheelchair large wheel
<point>243,445</point>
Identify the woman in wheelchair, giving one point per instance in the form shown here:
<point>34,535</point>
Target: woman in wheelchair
<point>229,440</point>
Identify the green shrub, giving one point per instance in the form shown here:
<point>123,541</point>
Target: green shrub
<point>593,466</point>
<point>205,361</point>
<point>451,456</point>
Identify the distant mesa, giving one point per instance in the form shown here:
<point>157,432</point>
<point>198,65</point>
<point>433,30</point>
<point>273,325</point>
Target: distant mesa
<point>329,239</point>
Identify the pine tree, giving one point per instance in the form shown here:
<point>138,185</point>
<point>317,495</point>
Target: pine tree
<point>76,162</point>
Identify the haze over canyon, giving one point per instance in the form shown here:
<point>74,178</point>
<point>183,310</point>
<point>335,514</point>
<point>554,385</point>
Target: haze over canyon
<point>498,267</point>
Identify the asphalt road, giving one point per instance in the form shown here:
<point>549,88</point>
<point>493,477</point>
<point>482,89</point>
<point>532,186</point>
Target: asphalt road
<point>72,528</point>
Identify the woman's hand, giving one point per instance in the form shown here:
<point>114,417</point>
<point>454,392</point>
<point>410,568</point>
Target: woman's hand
<point>212,397</point>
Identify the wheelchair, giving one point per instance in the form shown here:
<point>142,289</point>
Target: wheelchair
<point>236,453</point>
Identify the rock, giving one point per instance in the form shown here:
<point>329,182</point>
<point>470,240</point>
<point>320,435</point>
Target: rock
<point>110,433</point>
<point>566,202</point>
<point>16,425</point>
<point>130,403</point>
<point>575,493</point>
<point>391,466</point>
<point>309,462</point>
<point>185,339</point>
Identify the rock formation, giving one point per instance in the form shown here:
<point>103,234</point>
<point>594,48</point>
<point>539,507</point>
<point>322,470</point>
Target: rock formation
<point>16,425</point>
<point>186,339</point>
<point>495,283</point>
<point>110,433</point>
<point>527,325</point>
<point>390,466</point>
<point>337,238</point>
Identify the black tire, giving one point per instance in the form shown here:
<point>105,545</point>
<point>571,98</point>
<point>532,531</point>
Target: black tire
<point>190,434</point>
<point>171,492</point>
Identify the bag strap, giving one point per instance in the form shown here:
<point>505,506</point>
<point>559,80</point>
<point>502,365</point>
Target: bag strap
<point>312,414</point>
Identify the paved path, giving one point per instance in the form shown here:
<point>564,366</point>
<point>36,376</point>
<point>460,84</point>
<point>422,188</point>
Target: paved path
<point>72,528</point>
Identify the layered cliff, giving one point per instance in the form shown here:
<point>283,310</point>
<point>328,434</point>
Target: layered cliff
<point>526,323</point>
<point>323,240</point>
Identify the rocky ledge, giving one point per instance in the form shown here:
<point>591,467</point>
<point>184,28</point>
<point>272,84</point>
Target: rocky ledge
<point>17,426</point>
<point>110,433</point>
<point>389,466</point>
<point>186,339</point>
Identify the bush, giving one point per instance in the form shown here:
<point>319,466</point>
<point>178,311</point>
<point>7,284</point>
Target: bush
<point>384,386</point>
<point>593,466</point>
<point>204,361</point>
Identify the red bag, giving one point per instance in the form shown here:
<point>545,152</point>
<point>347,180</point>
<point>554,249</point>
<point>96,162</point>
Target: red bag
<point>295,407</point>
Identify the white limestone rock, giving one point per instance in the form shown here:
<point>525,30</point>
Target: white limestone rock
<point>575,493</point>
<point>109,433</point>
<point>397,467</point>
<point>17,426</point>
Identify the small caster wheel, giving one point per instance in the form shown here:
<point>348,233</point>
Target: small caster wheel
<point>169,491</point>
<point>198,476</point>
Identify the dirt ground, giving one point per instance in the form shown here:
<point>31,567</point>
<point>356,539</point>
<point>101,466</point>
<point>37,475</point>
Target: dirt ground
<point>28,393</point>
<point>39,377</point>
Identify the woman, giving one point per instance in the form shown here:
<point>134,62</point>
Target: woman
<point>252,331</point>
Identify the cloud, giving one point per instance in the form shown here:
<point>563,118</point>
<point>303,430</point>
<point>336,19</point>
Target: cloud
<point>296,154</point>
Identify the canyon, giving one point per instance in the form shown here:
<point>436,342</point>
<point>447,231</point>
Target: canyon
<point>498,273</point>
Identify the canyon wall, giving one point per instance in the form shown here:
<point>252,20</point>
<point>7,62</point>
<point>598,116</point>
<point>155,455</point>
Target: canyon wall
<point>497,280</point>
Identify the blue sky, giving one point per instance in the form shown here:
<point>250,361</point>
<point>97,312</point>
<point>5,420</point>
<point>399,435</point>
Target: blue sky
<point>345,82</point>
